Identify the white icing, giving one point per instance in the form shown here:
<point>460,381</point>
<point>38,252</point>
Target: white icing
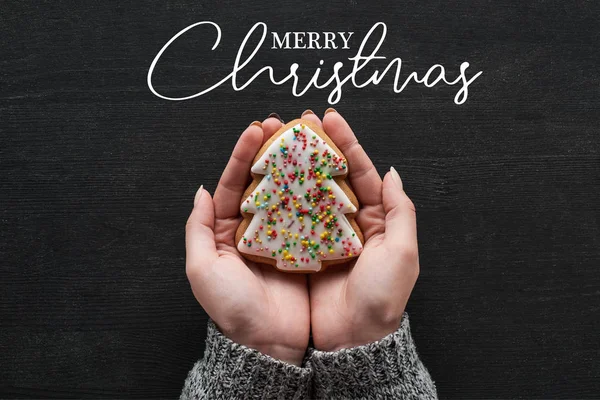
<point>282,227</point>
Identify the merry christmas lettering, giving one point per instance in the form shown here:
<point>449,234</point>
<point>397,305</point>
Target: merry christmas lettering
<point>312,40</point>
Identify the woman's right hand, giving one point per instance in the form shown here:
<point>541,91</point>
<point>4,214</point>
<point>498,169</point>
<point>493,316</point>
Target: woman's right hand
<point>363,301</point>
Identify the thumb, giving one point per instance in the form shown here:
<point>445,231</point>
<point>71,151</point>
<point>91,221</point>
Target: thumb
<point>199,235</point>
<point>400,216</point>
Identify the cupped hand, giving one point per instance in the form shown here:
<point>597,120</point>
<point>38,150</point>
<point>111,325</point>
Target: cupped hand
<point>363,301</point>
<point>253,304</point>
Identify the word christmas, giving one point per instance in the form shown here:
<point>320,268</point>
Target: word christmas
<point>359,61</point>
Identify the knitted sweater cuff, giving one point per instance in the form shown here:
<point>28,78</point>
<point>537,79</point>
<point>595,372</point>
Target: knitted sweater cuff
<point>233,371</point>
<point>388,368</point>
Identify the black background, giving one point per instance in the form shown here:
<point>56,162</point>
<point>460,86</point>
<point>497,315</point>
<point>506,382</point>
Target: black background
<point>98,176</point>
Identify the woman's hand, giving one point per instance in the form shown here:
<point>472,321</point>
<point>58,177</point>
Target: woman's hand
<point>364,301</point>
<point>252,304</point>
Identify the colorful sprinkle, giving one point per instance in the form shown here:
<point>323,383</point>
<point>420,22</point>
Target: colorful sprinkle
<point>300,161</point>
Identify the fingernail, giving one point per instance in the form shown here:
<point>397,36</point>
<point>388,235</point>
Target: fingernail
<point>198,195</point>
<point>256,123</point>
<point>307,112</point>
<point>330,109</point>
<point>275,115</point>
<point>396,178</point>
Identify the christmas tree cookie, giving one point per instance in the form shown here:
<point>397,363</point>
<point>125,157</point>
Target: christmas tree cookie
<point>299,211</point>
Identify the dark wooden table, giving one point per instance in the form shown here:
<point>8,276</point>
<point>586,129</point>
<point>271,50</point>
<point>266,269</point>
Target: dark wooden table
<point>97,177</point>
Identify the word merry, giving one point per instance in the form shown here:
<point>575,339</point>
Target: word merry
<point>434,75</point>
<point>312,38</point>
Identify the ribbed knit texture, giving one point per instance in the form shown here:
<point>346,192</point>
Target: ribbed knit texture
<point>232,371</point>
<point>387,369</point>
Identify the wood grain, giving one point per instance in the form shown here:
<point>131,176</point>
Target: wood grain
<point>97,178</point>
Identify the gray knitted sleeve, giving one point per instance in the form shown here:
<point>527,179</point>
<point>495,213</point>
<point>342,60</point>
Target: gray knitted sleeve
<point>232,371</point>
<point>387,369</point>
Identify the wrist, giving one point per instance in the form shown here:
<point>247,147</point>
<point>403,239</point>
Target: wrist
<point>232,370</point>
<point>292,356</point>
<point>360,335</point>
<point>291,352</point>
